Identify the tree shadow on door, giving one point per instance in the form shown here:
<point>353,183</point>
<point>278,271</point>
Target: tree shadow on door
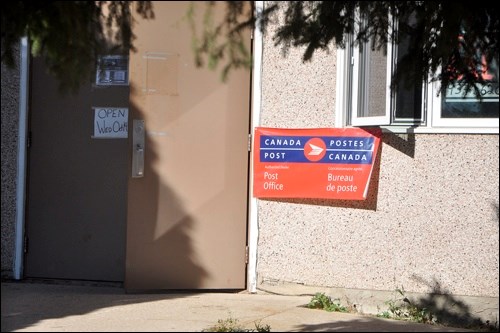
<point>160,254</point>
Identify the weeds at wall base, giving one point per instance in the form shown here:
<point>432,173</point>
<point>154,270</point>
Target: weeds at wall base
<point>399,308</point>
<point>322,301</point>
<point>233,325</point>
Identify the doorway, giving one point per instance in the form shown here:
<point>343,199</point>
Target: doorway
<point>77,184</point>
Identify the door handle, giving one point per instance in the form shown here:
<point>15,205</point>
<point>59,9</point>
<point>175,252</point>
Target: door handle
<point>138,149</point>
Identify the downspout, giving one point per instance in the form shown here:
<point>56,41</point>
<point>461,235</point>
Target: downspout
<point>253,228</point>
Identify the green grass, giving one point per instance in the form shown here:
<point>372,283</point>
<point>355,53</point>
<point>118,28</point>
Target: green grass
<point>322,301</point>
<point>232,325</point>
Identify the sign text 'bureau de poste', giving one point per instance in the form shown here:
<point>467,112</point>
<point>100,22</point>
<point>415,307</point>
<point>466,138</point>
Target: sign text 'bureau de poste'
<point>331,163</point>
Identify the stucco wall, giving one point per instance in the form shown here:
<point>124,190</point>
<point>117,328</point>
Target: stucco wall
<point>10,111</point>
<point>430,223</point>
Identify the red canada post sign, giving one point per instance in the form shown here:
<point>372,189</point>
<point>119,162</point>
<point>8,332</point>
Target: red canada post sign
<point>331,163</point>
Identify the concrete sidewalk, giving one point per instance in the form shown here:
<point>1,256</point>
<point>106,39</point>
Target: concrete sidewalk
<point>45,307</point>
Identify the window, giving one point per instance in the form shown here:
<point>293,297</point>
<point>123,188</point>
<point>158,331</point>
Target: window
<point>364,96</point>
<point>453,109</point>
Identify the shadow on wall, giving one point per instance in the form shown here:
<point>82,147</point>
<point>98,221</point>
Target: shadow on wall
<point>369,204</point>
<point>496,209</point>
<point>404,143</point>
<point>411,314</point>
<point>448,309</point>
<point>9,141</point>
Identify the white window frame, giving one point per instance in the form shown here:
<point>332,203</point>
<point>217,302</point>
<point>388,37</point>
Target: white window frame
<point>438,121</point>
<point>347,99</point>
<point>356,97</point>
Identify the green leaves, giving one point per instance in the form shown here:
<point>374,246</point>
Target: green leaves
<point>70,34</point>
<point>449,42</point>
<point>322,301</point>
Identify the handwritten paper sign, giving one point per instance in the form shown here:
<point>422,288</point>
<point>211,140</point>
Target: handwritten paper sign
<point>110,123</point>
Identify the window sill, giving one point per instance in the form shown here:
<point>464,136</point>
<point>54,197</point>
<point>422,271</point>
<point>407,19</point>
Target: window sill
<point>438,130</point>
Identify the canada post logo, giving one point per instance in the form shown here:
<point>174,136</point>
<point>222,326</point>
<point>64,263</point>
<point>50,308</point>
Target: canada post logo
<point>315,149</point>
<point>306,149</point>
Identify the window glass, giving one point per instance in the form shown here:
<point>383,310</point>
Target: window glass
<point>408,96</point>
<point>373,80</point>
<point>455,105</point>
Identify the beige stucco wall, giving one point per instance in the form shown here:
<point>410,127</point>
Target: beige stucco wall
<point>10,112</point>
<point>430,223</point>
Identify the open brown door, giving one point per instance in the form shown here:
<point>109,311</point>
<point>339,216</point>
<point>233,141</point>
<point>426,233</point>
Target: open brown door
<point>187,211</point>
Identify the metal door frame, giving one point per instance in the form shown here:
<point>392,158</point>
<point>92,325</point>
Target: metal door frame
<point>21,159</point>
